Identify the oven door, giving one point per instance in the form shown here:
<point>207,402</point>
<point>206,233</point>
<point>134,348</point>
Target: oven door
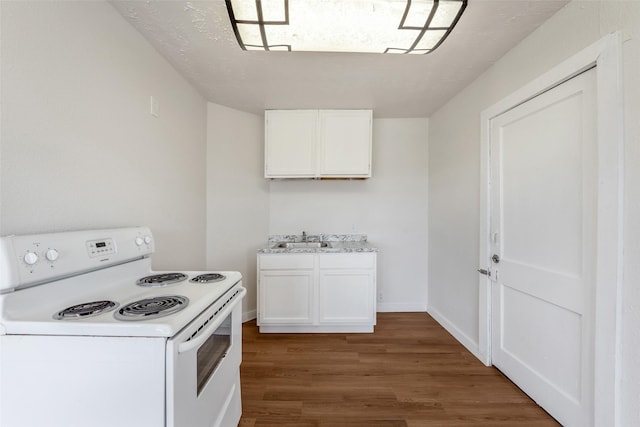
<point>203,367</point>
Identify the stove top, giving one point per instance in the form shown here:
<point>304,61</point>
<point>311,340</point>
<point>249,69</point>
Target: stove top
<point>91,286</point>
<point>19,315</point>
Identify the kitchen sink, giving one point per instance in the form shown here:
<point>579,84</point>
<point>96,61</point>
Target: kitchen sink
<point>301,245</point>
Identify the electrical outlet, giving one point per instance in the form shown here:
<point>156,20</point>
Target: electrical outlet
<point>380,296</point>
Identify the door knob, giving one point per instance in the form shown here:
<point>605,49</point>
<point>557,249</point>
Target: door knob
<point>495,258</point>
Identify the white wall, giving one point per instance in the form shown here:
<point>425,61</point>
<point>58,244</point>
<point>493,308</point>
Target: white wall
<point>237,195</point>
<point>454,160</point>
<point>390,207</point>
<point>79,148</point>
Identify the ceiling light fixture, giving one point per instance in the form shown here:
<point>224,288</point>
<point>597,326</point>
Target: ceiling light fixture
<point>372,26</point>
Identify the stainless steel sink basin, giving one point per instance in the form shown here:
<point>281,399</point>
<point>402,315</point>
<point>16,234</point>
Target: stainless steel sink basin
<point>301,245</point>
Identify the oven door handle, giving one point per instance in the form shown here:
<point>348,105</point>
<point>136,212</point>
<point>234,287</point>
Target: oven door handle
<point>211,327</point>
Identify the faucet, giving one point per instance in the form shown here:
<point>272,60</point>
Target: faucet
<point>304,236</point>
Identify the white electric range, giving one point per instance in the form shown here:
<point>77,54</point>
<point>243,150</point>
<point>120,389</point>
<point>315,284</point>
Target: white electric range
<point>91,336</point>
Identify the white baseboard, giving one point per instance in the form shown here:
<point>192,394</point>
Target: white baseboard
<point>249,315</point>
<point>463,338</point>
<point>394,307</point>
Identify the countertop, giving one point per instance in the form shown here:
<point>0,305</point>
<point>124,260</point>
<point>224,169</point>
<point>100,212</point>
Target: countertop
<point>338,243</point>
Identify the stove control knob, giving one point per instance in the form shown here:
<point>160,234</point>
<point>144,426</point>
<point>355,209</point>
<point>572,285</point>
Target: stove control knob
<point>139,241</point>
<point>147,239</point>
<point>30,258</point>
<point>52,254</point>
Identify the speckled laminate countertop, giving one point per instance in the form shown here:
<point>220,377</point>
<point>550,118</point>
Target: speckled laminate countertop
<point>336,243</point>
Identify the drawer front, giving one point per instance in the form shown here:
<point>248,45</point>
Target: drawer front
<point>285,261</point>
<point>352,260</point>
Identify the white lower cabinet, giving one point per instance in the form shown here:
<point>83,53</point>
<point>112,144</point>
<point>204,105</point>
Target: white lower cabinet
<point>317,292</point>
<point>346,297</point>
<point>286,296</point>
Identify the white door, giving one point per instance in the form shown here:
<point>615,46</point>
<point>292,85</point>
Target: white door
<point>543,225</point>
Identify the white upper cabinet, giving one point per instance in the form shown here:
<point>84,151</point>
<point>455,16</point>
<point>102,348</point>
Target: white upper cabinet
<point>318,143</point>
<point>345,143</point>
<point>290,138</point>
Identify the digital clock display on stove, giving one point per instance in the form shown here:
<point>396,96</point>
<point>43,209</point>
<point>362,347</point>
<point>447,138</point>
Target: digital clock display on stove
<point>100,248</point>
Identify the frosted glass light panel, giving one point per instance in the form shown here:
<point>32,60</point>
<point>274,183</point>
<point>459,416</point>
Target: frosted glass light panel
<point>371,26</point>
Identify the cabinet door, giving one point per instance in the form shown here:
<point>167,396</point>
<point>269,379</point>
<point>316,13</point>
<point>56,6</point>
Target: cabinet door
<point>285,296</point>
<point>290,143</point>
<point>346,296</point>
<point>345,143</point>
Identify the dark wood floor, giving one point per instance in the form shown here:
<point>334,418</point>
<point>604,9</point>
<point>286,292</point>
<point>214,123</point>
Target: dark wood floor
<point>409,373</point>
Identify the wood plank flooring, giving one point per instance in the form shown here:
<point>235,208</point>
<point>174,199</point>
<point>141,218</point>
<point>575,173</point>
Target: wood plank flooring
<point>409,373</point>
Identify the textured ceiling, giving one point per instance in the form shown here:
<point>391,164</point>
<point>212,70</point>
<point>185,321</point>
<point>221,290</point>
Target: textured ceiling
<point>196,37</point>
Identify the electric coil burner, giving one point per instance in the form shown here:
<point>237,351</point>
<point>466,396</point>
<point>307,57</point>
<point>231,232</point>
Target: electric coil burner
<point>152,308</point>
<point>86,309</point>
<point>161,279</point>
<point>208,278</point>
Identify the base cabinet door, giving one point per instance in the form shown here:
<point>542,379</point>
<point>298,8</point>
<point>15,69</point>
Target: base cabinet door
<point>346,297</point>
<point>286,297</point>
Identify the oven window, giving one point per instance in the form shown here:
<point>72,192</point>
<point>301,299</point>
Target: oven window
<point>211,353</point>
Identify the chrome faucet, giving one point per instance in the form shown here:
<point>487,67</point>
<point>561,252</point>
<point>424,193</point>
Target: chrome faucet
<point>304,236</point>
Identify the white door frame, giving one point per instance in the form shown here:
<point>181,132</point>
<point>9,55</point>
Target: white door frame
<point>605,56</point>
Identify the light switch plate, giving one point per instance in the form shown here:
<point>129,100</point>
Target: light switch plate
<point>154,106</point>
